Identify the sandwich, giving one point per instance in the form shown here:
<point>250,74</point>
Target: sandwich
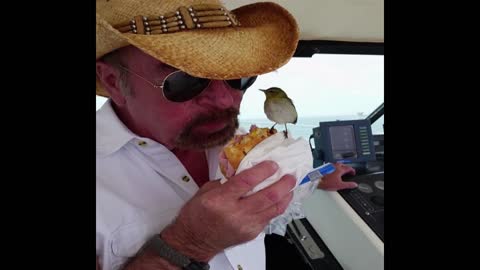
<point>239,146</point>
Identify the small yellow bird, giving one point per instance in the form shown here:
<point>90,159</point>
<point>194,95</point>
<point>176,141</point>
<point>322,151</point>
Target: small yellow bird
<point>279,107</point>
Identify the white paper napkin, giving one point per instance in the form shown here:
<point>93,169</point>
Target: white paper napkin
<point>294,157</point>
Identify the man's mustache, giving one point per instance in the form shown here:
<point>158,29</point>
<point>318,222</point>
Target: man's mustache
<point>227,114</point>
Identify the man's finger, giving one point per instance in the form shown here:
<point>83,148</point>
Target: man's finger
<point>343,169</point>
<point>245,181</point>
<point>209,186</point>
<point>270,195</point>
<point>336,184</point>
<point>349,170</point>
<point>349,185</point>
<point>276,209</point>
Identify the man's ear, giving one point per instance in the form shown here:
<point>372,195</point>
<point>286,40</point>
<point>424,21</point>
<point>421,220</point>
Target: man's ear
<point>109,76</point>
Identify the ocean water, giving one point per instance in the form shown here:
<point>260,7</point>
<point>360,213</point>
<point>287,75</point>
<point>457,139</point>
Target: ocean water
<point>304,126</point>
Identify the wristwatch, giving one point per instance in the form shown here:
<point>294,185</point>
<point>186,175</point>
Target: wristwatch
<point>176,258</point>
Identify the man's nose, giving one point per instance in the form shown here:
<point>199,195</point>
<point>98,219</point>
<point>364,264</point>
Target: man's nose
<point>218,95</point>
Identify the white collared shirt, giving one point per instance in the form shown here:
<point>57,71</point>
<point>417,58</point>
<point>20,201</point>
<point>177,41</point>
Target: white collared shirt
<point>140,187</point>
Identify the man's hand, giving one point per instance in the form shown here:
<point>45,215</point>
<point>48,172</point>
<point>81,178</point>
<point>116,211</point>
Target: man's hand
<point>334,182</point>
<point>219,216</point>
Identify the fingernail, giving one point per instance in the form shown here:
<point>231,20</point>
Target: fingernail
<point>294,182</point>
<point>273,164</point>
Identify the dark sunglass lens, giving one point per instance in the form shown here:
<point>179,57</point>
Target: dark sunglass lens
<point>247,82</point>
<point>242,83</point>
<point>180,87</point>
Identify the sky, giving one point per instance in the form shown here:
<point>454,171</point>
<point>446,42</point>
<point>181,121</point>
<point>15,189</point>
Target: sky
<point>324,85</point>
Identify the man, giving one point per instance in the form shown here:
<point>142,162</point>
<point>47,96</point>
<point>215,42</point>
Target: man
<point>174,96</point>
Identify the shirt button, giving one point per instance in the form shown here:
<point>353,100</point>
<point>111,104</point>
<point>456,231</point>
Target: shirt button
<point>185,178</point>
<point>142,143</point>
<point>239,267</point>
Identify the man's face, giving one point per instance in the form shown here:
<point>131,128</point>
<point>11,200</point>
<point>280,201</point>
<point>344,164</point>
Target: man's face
<point>208,119</point>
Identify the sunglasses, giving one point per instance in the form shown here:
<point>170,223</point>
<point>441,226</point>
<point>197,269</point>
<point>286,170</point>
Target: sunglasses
<point>179,86</point>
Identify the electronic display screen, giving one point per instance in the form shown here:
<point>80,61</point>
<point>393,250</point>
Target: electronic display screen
<point>343,141</point>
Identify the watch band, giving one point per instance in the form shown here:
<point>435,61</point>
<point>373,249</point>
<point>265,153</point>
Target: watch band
<point>194,265</point>
<point>165,251</point>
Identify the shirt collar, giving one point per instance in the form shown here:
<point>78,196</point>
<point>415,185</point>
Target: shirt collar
<point>112,134</point>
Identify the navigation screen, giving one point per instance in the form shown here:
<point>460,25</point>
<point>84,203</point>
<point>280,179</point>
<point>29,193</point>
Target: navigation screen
<point>343,141</point>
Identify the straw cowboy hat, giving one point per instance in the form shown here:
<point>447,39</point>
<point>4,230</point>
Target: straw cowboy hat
<point>200,37</point>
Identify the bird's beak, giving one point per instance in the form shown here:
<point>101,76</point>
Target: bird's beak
<point>263,90</point>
